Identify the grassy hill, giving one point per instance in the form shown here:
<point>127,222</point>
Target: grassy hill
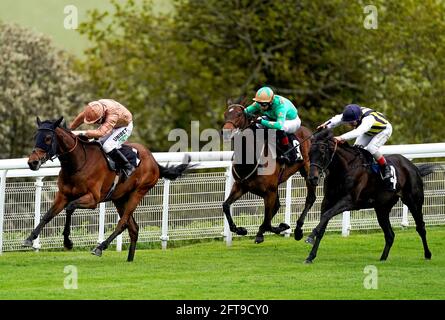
<point>47,16</point>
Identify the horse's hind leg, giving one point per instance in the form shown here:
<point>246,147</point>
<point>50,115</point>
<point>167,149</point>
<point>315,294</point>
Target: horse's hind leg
<point>310,199</point>
<point>414,205</point>
<point>385,224</point>
<point>236,193</point>
<point>129,207</point>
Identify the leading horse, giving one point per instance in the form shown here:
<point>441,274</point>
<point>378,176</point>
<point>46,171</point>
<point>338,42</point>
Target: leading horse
<point>351,184</point>
<point>85,180</point>
<point>248,179</point>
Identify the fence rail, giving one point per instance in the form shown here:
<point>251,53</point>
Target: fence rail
<point>188,208</point>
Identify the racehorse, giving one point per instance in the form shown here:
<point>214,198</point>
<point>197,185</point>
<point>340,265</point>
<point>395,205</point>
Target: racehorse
<point>85,180</point>
<point>351,184</point>
<point>247,177</point>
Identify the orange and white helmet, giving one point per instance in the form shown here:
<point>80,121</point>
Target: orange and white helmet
<point>93,112</point>
<point>265,94</point>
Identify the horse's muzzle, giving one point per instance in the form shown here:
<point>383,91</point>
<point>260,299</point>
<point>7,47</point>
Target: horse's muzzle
<point>34,165</point>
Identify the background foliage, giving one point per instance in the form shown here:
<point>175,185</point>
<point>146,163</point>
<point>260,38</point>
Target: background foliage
<point>35,80</point>
<point>174,66</point>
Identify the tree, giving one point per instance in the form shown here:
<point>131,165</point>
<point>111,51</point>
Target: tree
<point>174,68</point>
<point>36,79</point>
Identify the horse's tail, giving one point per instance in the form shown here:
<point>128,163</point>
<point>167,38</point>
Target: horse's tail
<point>427,168</point>
<point>173,172</point>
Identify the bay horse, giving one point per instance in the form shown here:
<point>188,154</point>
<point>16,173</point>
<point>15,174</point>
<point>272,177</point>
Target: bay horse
<point>247,178</point>
<point>351,184</point>
<point>85,180</point>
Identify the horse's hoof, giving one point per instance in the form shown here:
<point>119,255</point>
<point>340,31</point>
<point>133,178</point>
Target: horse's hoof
<point>307,261</point>
<point>283,226</point>
<point>259,239</point>
<point>241,231</point>
<point>298,234</point>
<point>310,241</point>
<point>27,243</point>
<point>428,256</point>
<point>97,252</point>
<point>68,245</point>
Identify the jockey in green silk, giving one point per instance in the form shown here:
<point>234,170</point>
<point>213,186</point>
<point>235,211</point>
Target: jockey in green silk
<point>277,112</point>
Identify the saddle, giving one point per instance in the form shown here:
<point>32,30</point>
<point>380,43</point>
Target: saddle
<point>369,161</point>
<point>129,152</point>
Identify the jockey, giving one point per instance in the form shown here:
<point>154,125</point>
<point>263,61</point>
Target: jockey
<point>371,130</point>
<point>116,125</point>
<point>277,112</point>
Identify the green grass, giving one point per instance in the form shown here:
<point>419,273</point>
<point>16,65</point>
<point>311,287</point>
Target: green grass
<point>272,270</point>
<point>47,16</point>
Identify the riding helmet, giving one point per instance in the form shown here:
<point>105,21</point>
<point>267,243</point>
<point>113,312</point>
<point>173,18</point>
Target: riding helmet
<point>352,112</point>
<point>264,94</point>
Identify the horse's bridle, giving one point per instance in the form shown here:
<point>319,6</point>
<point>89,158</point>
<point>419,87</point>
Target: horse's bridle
<point>51,153</point>
<point>313,164</point>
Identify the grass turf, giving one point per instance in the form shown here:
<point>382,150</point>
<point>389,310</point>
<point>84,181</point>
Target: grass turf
<point>271,270</point>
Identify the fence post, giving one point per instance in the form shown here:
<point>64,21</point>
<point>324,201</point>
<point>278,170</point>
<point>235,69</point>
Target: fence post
<point>2,205</point>
<point>101,237</point>
<point>405,222</point>
<point>37,207</point>
<point>346,224</point>
<point>164,225</point>
<point>288,205</point>
<point>119,238</point>
<point>228,188</point>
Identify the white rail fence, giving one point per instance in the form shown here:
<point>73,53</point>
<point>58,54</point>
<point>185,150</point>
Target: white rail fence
<point>188,208</point>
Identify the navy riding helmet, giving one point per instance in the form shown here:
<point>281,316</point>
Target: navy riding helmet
<point>352,112</point>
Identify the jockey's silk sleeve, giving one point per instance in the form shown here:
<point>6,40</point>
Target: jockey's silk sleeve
<point>78,121</point>
<point>364,127</point>
<point>253,108</point>
<point>109,124</point>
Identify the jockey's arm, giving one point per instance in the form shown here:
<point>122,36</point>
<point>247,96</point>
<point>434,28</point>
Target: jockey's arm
<point>105,128</point>
<point>364,127</point>
<point>254,108</point>
<point>335,121</point>
<point>78,121</point>
<point>279,123</point>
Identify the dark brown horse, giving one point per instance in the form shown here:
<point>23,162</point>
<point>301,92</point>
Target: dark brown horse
<point>85,180</point>
<point>351,184</point>
<point>248,179</point>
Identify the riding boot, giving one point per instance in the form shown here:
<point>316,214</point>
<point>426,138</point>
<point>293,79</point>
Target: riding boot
<point>386,172</point>
<point>284,146</point>
<point>122,162</point>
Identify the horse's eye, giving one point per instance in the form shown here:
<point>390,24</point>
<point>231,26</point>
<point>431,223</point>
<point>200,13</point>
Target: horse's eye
<point>48,140</point>
<point>322,148</point>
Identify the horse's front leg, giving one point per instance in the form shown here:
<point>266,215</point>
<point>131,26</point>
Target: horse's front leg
<point>67,243</point>
<point>86,202</point>
<point>271,206</point>
<point>342,205</point>
<point>310,199</point>
<point>58,205</point>
<point>236,193</point>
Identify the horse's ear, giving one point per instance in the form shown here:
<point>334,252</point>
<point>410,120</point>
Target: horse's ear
<point>229,102</point>
<point>38,121</point>
<point>57,123</point>
<point>243,101</point>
